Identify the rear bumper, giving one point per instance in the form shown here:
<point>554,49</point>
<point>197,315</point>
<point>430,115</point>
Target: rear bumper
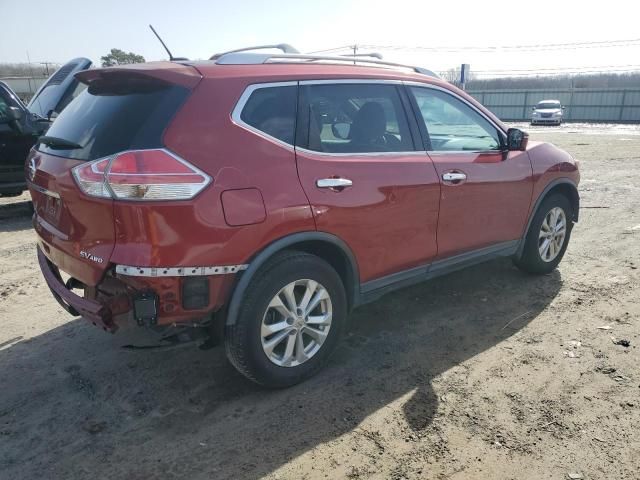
<point>98,314</point>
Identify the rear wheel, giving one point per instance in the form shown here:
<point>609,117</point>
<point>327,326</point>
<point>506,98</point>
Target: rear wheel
<point>290,320</point>
<point>548,236</point>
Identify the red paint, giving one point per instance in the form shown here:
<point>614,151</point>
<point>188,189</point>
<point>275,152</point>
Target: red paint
<point>398,214</point>
<point>491,206</point>
<point>388,217</point>
<point>73,223</point>
<point>243,207</point>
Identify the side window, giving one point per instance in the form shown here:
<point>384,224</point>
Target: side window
<point>355,118</point>
<point>272,110</point>
<point>452,125</point>
<point>4,107</point>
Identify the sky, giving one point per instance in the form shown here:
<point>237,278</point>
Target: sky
<point>56,31</point>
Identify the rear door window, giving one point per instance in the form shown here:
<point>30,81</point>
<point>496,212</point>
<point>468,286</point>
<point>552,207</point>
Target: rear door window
<point>272,110</point>
<point>104,121</point>
<point>355,118</point>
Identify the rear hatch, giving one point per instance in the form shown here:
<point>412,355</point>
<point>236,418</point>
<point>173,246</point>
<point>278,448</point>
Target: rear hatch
<point>59,89</point>
<point>122,109</point>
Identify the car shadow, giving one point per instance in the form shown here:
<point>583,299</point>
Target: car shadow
<point>15,216</point>
<point>74,403</point>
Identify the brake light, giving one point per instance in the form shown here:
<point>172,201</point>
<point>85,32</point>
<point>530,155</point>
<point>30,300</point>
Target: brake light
<point>90,178</point>
<point>141,175</point>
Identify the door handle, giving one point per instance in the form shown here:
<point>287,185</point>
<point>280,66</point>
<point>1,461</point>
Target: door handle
<point>454,177</point>
<point>334,183</point>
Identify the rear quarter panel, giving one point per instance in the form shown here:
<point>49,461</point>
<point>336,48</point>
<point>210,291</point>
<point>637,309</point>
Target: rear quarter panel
<point>196,233</point>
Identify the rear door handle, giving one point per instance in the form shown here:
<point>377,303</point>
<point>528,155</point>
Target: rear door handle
<point>334,183</point>
<point>454,176</point>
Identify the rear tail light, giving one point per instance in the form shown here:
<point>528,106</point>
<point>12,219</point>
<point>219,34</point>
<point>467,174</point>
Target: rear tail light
<point>141,175</point>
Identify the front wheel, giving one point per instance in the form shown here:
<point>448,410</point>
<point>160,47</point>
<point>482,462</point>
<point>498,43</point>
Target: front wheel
<point>548,236</point>
<point>290,320</point>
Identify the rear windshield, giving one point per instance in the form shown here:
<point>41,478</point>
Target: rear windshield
<point>105,121</point>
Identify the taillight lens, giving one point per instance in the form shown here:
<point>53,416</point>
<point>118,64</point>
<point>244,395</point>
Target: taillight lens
<point>91,178</point>
<point>141,175</point>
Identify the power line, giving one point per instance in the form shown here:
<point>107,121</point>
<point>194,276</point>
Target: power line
<point>335,49</point>
<point>514,48</point>
<point>556,74</point>
<point>531,47</point>
<point>561,69</point>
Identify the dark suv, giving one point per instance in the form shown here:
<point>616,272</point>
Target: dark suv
<point>264,196</point>
<point>21,125</point>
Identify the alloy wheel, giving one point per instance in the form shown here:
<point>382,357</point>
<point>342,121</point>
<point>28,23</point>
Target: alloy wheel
<point>553,232</point>
<point>296,323</point>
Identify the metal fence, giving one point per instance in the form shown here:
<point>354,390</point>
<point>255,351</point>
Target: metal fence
<point>25,87</point>
<point>582,104</point>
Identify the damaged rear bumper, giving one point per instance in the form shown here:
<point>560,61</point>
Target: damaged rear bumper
<point>98,314</point>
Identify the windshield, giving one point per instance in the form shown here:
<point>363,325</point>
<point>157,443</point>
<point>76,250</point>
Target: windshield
<point>98,124</point>
<point>545,105</point>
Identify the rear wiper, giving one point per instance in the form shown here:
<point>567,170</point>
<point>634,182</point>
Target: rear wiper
<point>55,142</point>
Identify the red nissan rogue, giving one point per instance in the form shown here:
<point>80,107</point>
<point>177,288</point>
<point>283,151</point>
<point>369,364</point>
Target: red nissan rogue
<point>262,197</point>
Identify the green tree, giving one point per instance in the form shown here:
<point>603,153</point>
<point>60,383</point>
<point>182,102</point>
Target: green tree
<point>119,57</point>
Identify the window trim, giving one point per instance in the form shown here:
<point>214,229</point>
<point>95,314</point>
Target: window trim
<point>423,128</point>
<point>421,145</point>
<point>416,142</point>
<point>236,113</point>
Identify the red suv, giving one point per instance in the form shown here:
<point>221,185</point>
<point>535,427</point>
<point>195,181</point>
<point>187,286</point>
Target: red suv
<point>264,196</point>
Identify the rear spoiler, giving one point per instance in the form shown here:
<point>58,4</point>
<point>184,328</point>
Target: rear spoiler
<point>166,73</point>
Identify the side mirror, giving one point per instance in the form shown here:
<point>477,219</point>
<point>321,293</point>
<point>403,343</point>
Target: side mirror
<point>563,107</point>
<point>15,114</point>
<point>341,130</point>
<point>12,117</point>
<point>517,139</point>
<point>533,108</point>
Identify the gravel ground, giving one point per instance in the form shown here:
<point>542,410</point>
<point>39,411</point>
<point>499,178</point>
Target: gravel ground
<point>485,373</point>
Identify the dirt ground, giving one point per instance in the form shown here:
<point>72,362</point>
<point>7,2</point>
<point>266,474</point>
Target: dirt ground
<point>484,374</point>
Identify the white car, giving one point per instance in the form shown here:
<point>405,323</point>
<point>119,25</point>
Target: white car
<point>547,112</point>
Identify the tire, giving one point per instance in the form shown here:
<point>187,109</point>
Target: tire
<point>532,260</point>
<point>244,342</point>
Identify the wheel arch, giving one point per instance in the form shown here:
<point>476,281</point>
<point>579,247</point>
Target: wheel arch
<point>564,186</point>
<point>324,245</point>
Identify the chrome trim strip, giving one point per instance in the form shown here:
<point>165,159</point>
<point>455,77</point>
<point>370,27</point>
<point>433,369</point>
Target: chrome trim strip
<point>366,154</point>
<point>242,101</point>
<point>439,153</point>
<point>350,80</point>
<point>178,271</point>
<point>41,222</point>
<point>44,191</point>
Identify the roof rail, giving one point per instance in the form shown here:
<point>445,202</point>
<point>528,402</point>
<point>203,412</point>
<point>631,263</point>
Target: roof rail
<point>284,47</point>
<point>238,57</point>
